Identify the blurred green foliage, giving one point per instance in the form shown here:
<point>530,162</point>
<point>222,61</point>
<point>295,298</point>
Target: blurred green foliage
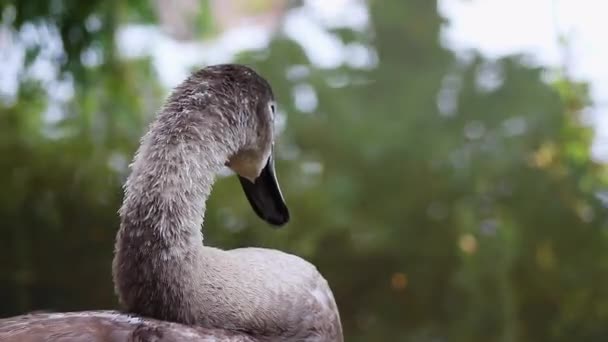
<point>444,198</point>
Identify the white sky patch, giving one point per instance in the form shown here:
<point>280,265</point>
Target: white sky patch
<point>322,48</point>
<point>305,97</point>
<point>499,27</point>
<point>308,26</point>
<point>339,13</point>
<point>11,59</point>
<point>174,59</point>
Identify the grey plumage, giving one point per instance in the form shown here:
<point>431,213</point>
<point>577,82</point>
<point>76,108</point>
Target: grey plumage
<point>221,115</point>
<point>106,326</point>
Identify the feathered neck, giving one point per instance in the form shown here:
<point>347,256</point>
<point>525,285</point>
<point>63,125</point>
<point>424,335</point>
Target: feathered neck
<point>173,173</point>
<point>160,235</point>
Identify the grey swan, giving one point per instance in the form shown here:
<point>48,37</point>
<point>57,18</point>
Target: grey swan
<point>174,288</point>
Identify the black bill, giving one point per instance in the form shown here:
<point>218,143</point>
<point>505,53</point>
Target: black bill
<point>265,196</point>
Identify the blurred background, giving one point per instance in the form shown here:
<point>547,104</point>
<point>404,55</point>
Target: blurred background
<point>443,160</point>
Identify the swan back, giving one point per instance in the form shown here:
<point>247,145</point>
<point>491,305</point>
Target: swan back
<point>106,326</point>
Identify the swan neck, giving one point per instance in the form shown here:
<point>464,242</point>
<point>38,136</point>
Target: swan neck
<point>159,246</point>
<point>172,176</point>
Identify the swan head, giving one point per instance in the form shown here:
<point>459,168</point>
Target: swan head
<point>246,103</point>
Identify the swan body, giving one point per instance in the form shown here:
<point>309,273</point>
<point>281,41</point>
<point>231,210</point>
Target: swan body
<point>221,115</point>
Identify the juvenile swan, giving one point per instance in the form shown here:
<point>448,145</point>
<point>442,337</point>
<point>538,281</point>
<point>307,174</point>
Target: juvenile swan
<point>220,115</point>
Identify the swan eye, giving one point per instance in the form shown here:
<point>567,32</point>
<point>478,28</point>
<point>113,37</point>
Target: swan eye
<point>272,109</point>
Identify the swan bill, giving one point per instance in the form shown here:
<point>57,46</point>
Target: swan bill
<point>265,196</point>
